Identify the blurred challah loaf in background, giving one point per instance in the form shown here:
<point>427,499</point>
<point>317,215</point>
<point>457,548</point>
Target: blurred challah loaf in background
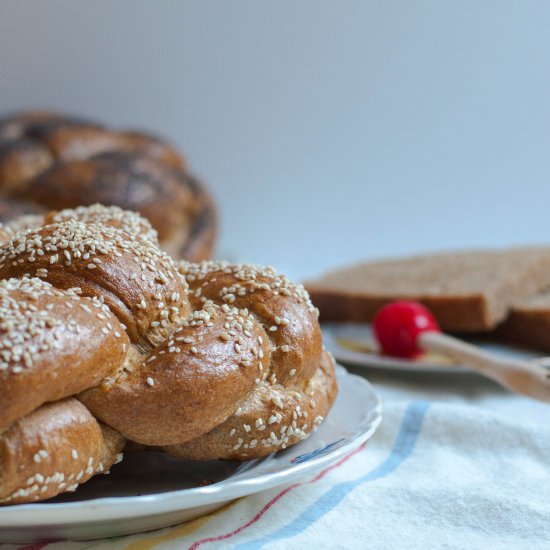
<point>50,161</point>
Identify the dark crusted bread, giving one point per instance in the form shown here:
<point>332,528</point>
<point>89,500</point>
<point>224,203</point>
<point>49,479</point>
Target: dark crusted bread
<point>529,323</point>
<point>468,291</point>
<point>52,162</point>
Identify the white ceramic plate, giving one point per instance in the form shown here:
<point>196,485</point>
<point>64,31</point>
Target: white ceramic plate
<point>151,490</point>
<point>354,344</point>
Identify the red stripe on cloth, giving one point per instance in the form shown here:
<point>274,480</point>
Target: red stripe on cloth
<point>36,546</point>
<point>274,500</point>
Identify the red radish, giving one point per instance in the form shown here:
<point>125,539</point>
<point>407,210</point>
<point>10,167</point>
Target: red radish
<point>407,329</point>
<point>398,324</point>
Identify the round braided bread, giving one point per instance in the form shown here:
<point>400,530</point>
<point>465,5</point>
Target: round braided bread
<point>104,335</point>
<point>50,161</point>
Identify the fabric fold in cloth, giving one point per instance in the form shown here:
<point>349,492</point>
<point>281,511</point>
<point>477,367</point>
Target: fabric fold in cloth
<point>433,476</point>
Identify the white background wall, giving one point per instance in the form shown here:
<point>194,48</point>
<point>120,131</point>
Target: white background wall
<point>329,131</point>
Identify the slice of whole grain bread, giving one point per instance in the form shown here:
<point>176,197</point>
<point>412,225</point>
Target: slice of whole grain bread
<point>467,291</point>
<point>529,323</point>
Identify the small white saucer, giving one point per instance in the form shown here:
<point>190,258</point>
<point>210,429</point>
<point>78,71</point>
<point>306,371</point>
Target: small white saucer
<point>354,344</point>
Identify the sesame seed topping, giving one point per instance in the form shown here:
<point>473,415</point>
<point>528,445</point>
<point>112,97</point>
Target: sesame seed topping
<point>277,401</point>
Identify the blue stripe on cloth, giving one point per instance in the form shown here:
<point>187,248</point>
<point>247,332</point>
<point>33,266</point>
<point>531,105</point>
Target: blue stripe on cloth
<point>404,444</point>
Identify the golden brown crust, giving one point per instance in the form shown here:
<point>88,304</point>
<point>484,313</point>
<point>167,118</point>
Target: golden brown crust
<point>282,307</point>
<point>131,223</point>
<point>61,162</point>
<point>256,338</point>
<point>92,308</point>
<point>296,375</point>
<point>271,418</point>
<point>53,344</point>
<point>199,374</point>
<point>52,450</point>
<point>138,282</point>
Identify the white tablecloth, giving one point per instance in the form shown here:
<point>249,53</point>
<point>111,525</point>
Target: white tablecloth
<point>456,463</point>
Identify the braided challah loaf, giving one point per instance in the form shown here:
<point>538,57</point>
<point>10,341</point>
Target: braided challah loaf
<point>48,161</point>
<point>104,338</point>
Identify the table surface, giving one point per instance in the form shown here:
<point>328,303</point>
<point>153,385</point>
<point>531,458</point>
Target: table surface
<point>466,389</point>
<point>455,456</point>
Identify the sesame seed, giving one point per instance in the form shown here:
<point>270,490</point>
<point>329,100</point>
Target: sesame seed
<point>277,401</point>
